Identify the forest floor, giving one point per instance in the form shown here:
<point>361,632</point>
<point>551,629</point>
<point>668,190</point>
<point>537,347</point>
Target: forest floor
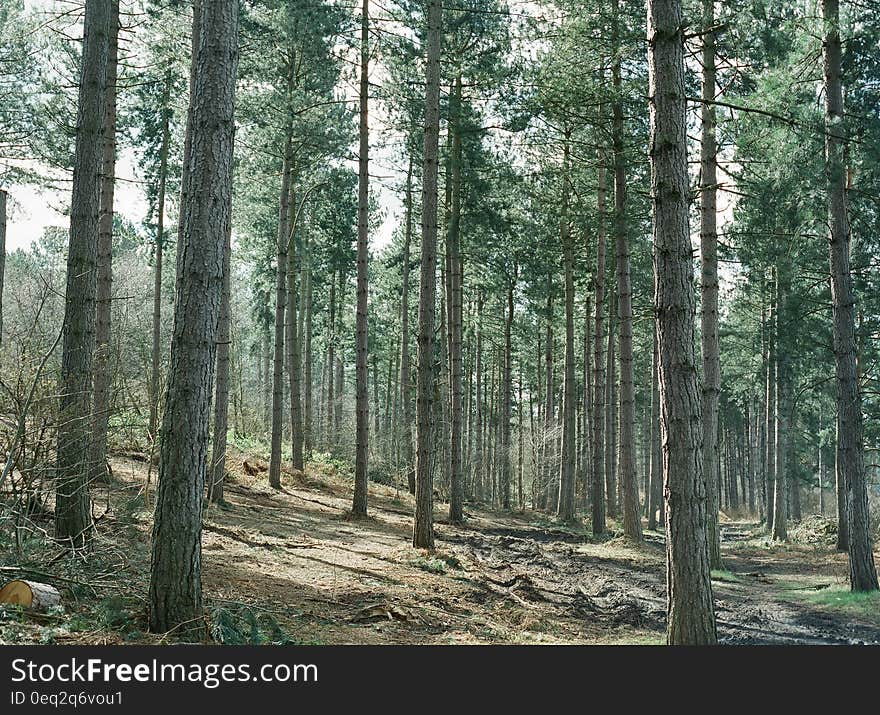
<point>291,565</point>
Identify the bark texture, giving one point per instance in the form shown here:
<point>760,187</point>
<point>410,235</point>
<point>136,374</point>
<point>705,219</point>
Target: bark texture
<point>850,447</point>
<point>632,526</point>
<point>423,524</point>
<point>175,596</point>
<point>73,519</point>
<point>566,507</point>
<point>691,618</point>
<point>280,305</point>
<point>217,473</point>
<point>709,285</point>
<point>362,407</point>
<point>598,460</point>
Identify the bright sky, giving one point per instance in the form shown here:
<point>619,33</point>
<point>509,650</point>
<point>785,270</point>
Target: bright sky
<point>31,209</point>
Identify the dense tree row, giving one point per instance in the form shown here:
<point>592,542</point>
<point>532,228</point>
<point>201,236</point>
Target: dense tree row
<point>566,185</point>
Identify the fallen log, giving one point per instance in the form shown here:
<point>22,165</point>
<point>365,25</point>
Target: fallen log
<point>30,594</point>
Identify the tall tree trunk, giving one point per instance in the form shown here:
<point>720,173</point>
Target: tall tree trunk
<point>770,409</point>
<point>548,406</point>
<point>73,522</point>
<point>709,284</point>
<point>294,356</point>
<point>280,304</point>
<point>156,349</point>
<point>186,162</point>
<point>598,477</point>
<point>519,434</point>
<point>405,373</point>
<point>338,402</point>
<point>850,457</point>
<point>565,510</point>
<point>611,414</point>
<point>587,408</point>
<point>506,387</point>
<point>306,341</point>
<point>217,473</point>
<point>175,597</point>
<point>104,261</point>
<point>328,377</point>
<point>655,478</point>
<point>691,617</point>
<point>362,407</point>
<point>3,196</point>
<point>478,369</point>
<point>453,248</point>
<point>632,526</point>
<point>423,524</point>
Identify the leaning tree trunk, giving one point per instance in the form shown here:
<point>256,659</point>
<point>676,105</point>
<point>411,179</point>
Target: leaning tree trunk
<point>632,526</point>
<point>72,507</point>
<point>104,264</point>
<point>691,618</point>
<point>280,301</point>
<point>217,473</point>
<point>175,597</point>
<point>566,507</point>
<point>598,461</point>
<point>709,285</point>
<point>423,524</point>
<point>362,407</point>
<point>850,447</point>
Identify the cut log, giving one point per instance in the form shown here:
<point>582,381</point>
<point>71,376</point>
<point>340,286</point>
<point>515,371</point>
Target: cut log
<point>30,594</point>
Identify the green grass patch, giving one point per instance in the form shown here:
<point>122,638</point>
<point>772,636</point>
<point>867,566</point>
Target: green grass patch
<point>840,598</point>
<point>725,576</point>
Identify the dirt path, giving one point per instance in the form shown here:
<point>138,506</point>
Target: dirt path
<point>501,578</point>
<point>292,558</point>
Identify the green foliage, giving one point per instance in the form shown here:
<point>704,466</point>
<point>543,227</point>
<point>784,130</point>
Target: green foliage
<point>242,625</point>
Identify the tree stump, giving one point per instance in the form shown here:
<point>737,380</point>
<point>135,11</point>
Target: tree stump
<point>30,594</point>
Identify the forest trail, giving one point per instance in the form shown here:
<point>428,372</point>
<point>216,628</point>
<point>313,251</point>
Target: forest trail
<point>295,558</point>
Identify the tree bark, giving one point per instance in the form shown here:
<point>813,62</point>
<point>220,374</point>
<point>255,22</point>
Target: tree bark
<point>691,618</point>
<point>73,522</point>
<point>611,414</point>
<point>453,248</point>
<point>850,457</point>
<point>405,373</point>
<point>770,410</point>
<point>306,341</point>
<point>709,284</point>
<point>632,526</point>
<point>104,262</point>
<point>217,473</point>
<point>3,197</point>
<point>362,406</point>
<point>282,248</point>
<point>565,509</point>
<point>156,350</point>
<point>655,479</point>
<point>294,356</point>
<point>598,480</point>
<point>175,597</point>
<point>423,524</point>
